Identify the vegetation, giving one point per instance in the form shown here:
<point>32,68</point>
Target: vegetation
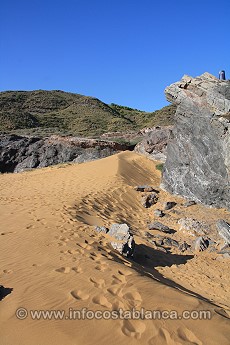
<point>160,166</point>
<point>56,112</point>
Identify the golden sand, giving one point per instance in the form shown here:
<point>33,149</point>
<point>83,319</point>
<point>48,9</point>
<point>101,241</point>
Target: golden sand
<point>53,259</point>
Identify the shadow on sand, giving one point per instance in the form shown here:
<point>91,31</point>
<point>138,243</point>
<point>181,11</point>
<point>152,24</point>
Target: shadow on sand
<point>145,260</point>
<point>4,292</point>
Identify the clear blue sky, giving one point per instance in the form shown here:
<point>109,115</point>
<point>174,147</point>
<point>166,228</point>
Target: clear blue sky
<point>119,51</point>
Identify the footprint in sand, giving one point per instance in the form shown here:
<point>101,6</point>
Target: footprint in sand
<point>133,298</point>
<point>118,305</point>
<point>98,283</point>
<point>101,268</point>
<point>115,291</point>
<point>119,280</point>
<point>101,265</point>
<point>80,251</point>
<point>90,242</point>
<point>7,271</point>
<point>84,245</point>
<point>64,239</point>
<point>125,272</point>
<point>133,328</point>
<point>7,233</point>
<point>78,294</point>
<point>60,244</point>
<point>95,257</point>
<point>162,336</point>
<point>186,335</point>
<point>72,251</point>
<point>63,251</point>
<point>63,270</point>
<point>77,269</point>
<point>101,300</point>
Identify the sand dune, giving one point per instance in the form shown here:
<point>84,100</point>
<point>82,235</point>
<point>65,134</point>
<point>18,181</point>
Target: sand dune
<point>53,259</point>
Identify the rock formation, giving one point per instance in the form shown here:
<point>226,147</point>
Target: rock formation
<point>123,238</point>
<point>154,144</point>
<point>198,152</point>
<point>21,153</point>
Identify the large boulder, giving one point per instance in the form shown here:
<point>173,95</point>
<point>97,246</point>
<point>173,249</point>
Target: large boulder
<point>198,151</point>
<point>124,239</point>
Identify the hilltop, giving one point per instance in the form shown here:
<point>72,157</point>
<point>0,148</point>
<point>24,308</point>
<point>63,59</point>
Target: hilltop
<point>44,113</point>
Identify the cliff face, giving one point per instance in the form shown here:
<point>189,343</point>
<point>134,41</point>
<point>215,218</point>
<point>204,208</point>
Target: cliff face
<point>198,152</point>
<point>22,153</point>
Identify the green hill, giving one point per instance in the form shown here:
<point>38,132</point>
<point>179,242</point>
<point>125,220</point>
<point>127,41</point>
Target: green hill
<point>56,112</point>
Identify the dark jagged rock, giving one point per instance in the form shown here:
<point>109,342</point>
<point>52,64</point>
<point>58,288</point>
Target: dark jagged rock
<point>189,203</point>
<point>169,204</point>
<point>200,244</point>
<point>161,227</point>
<point>159,213</point>
<point>154,143</point>
<point>224,230</point>
<point>21,153</point>
<point>198,151</point>
<point>146,188</point>
<point>184,246</point>
<point>224,250</point>
<point>149,200</point>
<point>170,242</point>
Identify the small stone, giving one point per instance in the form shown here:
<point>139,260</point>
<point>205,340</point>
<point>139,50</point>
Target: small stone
<point>223,256</point>
<point>145,188</point>
<point>224,250</point>
<point>170,242</point>
<point>161,249</point>
<point>201,244</point>
<point>101,229</point>
<point>149,200</point>
<point>168,205</point>
<point>159,242</point>
<point>184,246</point>
<point>159,213</point>
<point>189,203</point>
<point>159,226</point>
<point>223,230</point>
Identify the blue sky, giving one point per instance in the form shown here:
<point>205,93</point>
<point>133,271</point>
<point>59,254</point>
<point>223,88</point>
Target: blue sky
<point>119,51</point>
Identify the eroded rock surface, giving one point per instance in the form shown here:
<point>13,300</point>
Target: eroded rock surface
<point>154,144</point>
<point>198,151</point>
<point>22,153</point>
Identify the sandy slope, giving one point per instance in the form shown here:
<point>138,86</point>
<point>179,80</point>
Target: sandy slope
<point>53,259</point>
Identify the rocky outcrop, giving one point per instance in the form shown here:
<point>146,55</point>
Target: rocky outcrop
<point>224,230</point>
<point>198,152</point>
<point>155,142</point>
<point>21,153</point>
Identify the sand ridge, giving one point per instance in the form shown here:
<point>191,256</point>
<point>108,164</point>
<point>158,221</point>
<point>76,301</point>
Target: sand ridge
<point>54,259</point>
